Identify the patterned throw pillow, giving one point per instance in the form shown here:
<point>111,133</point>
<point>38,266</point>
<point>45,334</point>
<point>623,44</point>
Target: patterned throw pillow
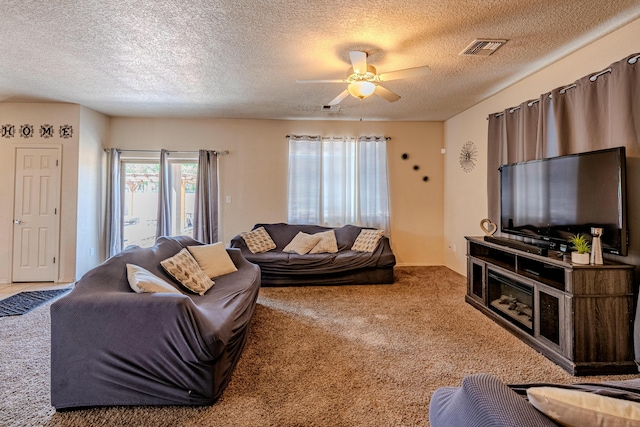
<point>186,270</point>
<point>327,243</point>
<point>258,240</point>
<point>302,243</point>
<point>367,240</point>
<point>213,259</point>
<point>142,280</point>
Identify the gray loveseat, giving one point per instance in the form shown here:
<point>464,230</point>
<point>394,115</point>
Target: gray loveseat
<point>112,346</point>
<point>346,267</point>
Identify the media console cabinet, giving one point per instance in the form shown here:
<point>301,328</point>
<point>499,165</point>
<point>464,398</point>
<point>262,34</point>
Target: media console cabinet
<point>580,317</point>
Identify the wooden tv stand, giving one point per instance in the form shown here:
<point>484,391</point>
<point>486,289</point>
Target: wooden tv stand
<point>580,317</point>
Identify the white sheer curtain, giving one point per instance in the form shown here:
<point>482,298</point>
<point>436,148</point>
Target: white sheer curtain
<point>338,181</point>
<point>373,188</point>
<point>305,166</point>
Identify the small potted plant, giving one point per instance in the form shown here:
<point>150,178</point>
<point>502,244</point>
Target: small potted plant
<point>581,249</point>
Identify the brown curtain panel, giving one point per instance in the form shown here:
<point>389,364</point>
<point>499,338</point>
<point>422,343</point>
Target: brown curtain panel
<point>599,111</point>
<point>513,137</point>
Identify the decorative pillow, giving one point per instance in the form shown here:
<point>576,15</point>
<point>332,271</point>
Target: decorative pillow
<point>327,243</point>
<point>367,240</point>
<point>258,240</point>
<point>142,280</point>
<point>186,270</point>
<point>302,243</point>
<point>213,259</point>
<point>580,408</point>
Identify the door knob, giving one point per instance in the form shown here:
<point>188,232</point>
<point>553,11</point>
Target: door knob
<point>17,221</point>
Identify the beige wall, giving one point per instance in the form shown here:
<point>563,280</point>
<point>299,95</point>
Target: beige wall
<point>254,174</point>
<point>36,115</point>
<point>90,249</point>
<point>466,201</point>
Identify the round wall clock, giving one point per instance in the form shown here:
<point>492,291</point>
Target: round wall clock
<point>468,156</point>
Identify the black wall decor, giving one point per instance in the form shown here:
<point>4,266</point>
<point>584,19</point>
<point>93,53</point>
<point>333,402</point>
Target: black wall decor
<point>405,156</point>
<point>28,131</point>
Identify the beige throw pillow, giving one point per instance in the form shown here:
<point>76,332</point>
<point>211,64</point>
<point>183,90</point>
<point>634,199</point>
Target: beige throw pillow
<point>302,243</point>
<point>186,270</point>
<point>142,280</point>
<point>258,240</point>
<point>367,240</point>
<point>327,243</point>
<point>580,408</point>
<point>213,259</point>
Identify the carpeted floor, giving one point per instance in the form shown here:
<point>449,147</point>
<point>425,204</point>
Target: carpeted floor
<point>316,356</point>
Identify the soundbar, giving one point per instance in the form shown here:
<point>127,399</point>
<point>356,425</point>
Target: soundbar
<point>515,244</point>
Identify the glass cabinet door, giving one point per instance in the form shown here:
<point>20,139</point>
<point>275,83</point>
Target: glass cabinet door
<point>549,322</point>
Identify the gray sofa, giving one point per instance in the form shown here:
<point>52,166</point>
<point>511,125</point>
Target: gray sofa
<point>346,267</point>
<point>112,346</point>
<point>483,400</point>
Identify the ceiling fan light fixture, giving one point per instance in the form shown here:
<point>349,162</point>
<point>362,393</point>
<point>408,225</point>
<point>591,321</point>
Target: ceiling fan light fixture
<point>361,89</point>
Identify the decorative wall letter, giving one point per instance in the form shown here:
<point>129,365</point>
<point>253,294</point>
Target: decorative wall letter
<point>26,131</point>
<point>8,131</point>
<point>66,131</point>
<point>46,131</point>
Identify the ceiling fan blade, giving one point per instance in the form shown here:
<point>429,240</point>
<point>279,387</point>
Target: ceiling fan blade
<point>322,81</point>
<point>358,61</point>
<point>403,74</point>
<point>338,99</point>
<point>386,94</point>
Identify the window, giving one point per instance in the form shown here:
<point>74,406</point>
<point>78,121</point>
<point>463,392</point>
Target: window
<point>338,181</point>
<point>140,198</point>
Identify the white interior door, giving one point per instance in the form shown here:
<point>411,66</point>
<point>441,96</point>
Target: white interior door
<point>36,215</point>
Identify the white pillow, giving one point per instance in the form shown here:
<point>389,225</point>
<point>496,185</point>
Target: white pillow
<point>367,240</point>
<point>186,270</point>
<point>326,244</point>
<point>213,259</point>
<point>580,408</point>
<point>258,240</point>
<point>142,280</point>
<point>302,243</point>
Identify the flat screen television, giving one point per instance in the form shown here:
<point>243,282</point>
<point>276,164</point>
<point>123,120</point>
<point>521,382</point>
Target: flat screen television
<point>552,199</point>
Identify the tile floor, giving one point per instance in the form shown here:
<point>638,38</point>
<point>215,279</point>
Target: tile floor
<point>9,289</point>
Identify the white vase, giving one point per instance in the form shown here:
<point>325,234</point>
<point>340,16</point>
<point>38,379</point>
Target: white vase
<point>578,258</point>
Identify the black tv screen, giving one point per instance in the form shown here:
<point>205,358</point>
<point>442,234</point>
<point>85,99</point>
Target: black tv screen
<point>550,200</point>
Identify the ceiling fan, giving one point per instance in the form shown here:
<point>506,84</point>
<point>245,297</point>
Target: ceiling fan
<point>363,80</point>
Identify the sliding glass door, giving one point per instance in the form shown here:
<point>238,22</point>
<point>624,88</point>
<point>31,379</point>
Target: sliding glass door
<point>140,199</point>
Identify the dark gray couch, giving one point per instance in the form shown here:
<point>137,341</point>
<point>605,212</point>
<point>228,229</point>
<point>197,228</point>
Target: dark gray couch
<point>483,400</point>
<point>346,267</point>
<point>112,346</point>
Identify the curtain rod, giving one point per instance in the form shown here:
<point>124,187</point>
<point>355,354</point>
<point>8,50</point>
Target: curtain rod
<point>387,138</point>
<point>219,153</point>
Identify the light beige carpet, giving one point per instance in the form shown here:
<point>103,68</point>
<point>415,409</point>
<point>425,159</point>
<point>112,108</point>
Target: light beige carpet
<point>316,356</point>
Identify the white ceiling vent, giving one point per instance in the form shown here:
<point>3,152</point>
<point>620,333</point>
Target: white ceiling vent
<point>330,108</point>
<point>483,47</point>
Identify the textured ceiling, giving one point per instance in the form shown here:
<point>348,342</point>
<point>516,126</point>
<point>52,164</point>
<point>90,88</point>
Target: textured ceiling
<point>241,58</point>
